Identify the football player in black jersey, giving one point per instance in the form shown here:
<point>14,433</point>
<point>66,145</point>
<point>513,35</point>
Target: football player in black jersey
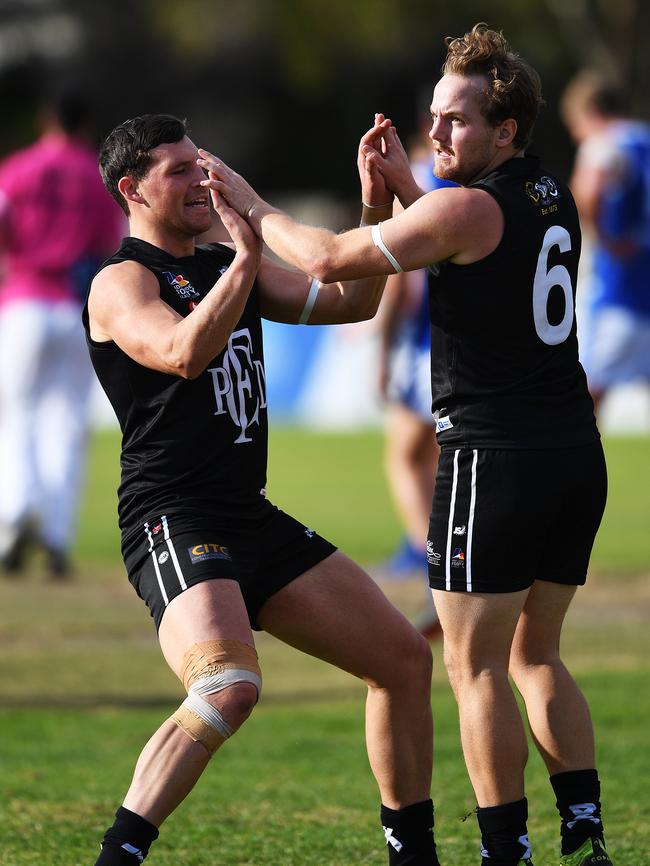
<point>174,333</point>
<point>521,484</point>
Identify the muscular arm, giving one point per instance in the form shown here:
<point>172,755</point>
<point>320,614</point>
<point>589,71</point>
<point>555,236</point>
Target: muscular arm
<point>125,306</point>
<point>461,225</point>
<point>284,294</point>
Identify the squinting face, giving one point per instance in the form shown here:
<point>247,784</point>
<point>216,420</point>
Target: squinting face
<point>463,141</point>
<point>172,189</point>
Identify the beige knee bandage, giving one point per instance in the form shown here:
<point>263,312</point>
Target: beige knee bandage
<point>208,668</point>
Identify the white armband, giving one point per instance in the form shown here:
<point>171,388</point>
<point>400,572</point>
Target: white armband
<point>379,242</point>
<point>309,303</point>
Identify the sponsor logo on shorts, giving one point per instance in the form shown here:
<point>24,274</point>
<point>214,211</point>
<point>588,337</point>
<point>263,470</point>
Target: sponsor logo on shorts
<point>164,556</point>
<point>460,530</point>
<point>309,533</point>
<point>201,552</point>
<point>458,558</point>
<point>432,556</point>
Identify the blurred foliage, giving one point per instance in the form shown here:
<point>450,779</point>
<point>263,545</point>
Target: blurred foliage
<point>284,88</point>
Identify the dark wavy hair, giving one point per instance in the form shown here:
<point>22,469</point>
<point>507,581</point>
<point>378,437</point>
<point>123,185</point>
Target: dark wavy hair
<point>126,150</point>
<point>514,88</point>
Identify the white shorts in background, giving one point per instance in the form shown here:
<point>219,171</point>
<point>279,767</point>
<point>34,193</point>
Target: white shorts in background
<point>614,347</point>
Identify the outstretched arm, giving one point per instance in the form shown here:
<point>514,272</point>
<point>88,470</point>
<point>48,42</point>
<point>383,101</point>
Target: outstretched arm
<point>459,224</point>
<point>291,296</point>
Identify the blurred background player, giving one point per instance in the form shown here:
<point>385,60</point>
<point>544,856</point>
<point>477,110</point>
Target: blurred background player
<point>411,449</point>
<point>57,223</point>
<point>611,186</point>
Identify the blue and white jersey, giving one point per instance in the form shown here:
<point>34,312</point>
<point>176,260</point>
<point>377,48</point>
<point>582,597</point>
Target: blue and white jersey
<point>621,256</point>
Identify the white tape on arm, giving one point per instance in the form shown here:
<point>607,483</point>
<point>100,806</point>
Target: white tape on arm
<point>309,303</point>
<point>379,242</point>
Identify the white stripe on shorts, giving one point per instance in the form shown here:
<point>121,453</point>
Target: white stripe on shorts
<point>470,524</point>
<point>155,565</point>
<point>450,526</point>
<point>172,552</point>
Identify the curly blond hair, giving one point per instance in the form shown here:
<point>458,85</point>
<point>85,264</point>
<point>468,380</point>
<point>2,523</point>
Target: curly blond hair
<point>513,87</point>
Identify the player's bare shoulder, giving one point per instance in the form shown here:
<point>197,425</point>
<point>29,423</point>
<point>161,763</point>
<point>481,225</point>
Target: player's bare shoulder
<point>117,288</point>
<point>475,218</point>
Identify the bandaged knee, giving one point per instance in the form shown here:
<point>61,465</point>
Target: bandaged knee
<point>208,668</point>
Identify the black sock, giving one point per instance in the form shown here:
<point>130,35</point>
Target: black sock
<point>127,842</point>
<point>577,796</point>
<point>409,835</point>
<point>504,836</point>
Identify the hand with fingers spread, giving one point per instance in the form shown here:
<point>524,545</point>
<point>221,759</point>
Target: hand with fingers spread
<point>241,233</point>
<point>221,179</point>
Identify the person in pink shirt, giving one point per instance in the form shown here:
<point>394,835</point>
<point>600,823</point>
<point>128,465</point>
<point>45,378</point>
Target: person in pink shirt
<point>57,224</point>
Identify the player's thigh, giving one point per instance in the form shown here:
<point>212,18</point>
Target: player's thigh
<point>537,637</point>
<point>478,628</point>
<point>207,611</point>
<point>189,578</point>
<point>336,612</point>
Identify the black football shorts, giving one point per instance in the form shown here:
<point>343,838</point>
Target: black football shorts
<point>503,519</point>
<point>263,556</point>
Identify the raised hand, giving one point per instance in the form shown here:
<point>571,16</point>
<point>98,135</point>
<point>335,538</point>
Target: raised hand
<point>241,233</point>
<point>374,191</point>
<point>222,179</point>
<point>391,161</point>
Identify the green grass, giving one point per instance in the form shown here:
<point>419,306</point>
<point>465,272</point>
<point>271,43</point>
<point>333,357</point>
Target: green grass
<point>82,686</point>
<point>336,483</point>
<point>293,788</point>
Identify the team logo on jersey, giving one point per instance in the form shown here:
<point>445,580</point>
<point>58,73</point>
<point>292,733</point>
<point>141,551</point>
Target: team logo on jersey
<point>543,191</point>
<point>239,385</point>
<point>183,287</point>
<point>201,552</point>
<point>458,558</point>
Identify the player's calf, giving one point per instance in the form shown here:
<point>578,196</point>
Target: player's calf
<point>223,681</point>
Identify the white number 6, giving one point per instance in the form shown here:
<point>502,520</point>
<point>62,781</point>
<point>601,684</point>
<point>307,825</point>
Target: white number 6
<point>544,282</point>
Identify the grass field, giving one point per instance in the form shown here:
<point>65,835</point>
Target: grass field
<point>83,685</point>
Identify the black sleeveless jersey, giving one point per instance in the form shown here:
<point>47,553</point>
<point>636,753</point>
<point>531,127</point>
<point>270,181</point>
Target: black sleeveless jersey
<point>504,353</point>
<point>188,446</point>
